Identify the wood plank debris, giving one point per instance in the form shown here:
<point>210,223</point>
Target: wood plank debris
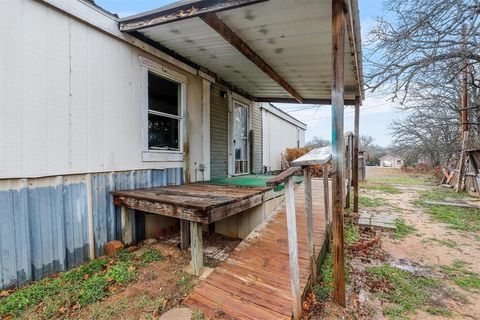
<point>451,204</point>
<point>377,220</point>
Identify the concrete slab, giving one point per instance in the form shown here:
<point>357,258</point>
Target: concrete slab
<point>377,220</point>
<point>205,272</point>
<point>177,314</point>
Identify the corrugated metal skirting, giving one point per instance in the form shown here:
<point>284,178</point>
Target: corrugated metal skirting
<point>44,221</point>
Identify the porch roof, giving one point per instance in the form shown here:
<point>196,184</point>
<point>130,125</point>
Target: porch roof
<point>275,51</point>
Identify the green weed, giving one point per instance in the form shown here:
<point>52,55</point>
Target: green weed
<point>446,242</point>
<point>462,219</point>
<point>92,290</point>
<point>82,285</point>
<point>149,304</point>
<point>198,315</point>
<point>122,272</point>
<point>29,296</point>
<point>403,180</point>
<point>406,292</point>
<point>151,255</point>
<point>371,202</point>
<point>109,311</point>
<point>439,311</point>
<point>403,229</point>
<point>352,233</point>
<point>88,268</point>
<point>458,272</point>
<point>124,255</point>
<point>185,285</point>
<point>322,291</point>
<point>382,188</point>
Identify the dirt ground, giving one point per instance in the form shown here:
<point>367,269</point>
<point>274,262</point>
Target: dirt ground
<point>428,251</point>
<point>428,268</point>
<point>144,281</point>
<point>161,285</point>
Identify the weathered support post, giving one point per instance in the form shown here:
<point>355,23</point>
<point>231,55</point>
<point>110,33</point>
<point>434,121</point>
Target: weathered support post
<point>348,170</point>
<point>463,158</point>
<point>338,148</point>
<point>356,139</point>
<point>464,84</point>
<point>197,248</point>
<point>326,196</point>
<point>184,234</point>
<point>292,248</point>
<point>309,213</point>
<point>126,216</point>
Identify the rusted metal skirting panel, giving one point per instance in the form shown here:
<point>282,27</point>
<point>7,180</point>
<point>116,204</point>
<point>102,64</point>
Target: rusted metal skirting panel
<point>44,221</point>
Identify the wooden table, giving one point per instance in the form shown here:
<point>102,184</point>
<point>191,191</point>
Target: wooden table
<point>197,203</point>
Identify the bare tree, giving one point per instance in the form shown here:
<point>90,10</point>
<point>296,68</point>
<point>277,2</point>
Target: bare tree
<point>419,42</point>
<point>317,142</point>
<point>430,132</point>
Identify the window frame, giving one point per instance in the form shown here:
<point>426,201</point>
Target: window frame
<point>164,72</point>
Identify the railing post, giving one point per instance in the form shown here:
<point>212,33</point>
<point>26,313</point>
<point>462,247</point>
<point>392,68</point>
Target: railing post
<point>309,213</point>
<point>326,196</point>
<point>355,153</point>
<point>292,248</point>
<point>348,170</point>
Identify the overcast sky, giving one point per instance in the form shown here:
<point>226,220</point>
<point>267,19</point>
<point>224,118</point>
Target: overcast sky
<point>376,112</point>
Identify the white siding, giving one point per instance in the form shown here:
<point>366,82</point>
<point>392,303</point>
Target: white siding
<point>71,97</point>
<point>278,135</point>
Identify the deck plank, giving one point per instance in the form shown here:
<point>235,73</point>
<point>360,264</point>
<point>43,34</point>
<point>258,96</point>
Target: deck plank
<point>254,282</point>
<point>205,203</point>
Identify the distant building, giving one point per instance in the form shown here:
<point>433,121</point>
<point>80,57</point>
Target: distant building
<point>279,132</point>
<point>392,161</point>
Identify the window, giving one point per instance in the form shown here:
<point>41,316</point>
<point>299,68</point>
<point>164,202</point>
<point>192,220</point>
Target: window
<point>164,113</point>
<point>240,125</point>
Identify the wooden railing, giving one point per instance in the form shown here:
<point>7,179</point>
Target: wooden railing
<point>287,177</point>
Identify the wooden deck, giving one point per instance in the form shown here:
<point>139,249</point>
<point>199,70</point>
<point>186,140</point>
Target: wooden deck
<point>254,282</point>
<point>204,203</point>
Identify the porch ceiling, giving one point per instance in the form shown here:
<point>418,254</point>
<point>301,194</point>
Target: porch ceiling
<point>292,37</point>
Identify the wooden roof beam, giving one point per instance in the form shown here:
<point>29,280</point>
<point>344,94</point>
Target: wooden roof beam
<point>186,11</point>
<point>223,30</point>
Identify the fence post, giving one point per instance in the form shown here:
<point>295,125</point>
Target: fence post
<point>292,248</point>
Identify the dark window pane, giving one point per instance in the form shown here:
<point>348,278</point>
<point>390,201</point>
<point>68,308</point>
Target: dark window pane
<point>162,132</point>
<point>163,94</point>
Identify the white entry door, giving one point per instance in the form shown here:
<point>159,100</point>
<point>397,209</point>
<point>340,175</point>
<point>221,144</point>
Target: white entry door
<point>240,137</point>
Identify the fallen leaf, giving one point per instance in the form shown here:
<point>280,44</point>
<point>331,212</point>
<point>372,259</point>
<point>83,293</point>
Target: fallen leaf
<point>4,293</point>
<point>62,310</point>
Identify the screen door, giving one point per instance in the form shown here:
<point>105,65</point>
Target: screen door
<point>240,139</point>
